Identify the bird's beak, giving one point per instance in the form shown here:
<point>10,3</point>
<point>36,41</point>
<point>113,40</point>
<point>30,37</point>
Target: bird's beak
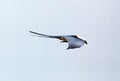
<point>86,42</point>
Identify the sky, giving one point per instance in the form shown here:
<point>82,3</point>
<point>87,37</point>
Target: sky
<point>28,58</point>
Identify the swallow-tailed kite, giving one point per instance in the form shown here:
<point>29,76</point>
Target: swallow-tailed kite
<point>72,40</point>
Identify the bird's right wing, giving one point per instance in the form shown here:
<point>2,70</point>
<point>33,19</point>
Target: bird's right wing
<point>49,36</point>
<point>43,35</point>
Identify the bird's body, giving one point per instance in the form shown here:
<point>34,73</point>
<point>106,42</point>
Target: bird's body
<point>72,40</point>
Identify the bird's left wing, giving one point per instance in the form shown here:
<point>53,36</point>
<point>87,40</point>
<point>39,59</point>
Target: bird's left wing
<point>74,42</point>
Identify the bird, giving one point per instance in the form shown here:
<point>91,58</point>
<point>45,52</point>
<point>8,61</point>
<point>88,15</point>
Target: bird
<point>73,40</point>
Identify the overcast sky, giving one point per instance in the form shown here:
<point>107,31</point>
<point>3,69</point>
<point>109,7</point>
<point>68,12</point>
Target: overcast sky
<point>28,58</point>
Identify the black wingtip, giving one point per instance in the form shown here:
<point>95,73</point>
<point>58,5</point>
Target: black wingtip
<point>35,33</point>
<point>31,31</point>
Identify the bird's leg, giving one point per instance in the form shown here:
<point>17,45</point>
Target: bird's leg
<point>63,41</point>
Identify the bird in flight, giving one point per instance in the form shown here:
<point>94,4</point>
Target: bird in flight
<point>72,40</point>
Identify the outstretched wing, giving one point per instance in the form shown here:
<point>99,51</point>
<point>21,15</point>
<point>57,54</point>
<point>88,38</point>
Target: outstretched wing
<point>42,35</point>
<point>49,36</point>
<point>74,42</point>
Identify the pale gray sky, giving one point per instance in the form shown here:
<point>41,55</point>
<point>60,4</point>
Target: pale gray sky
<point>27,58</point>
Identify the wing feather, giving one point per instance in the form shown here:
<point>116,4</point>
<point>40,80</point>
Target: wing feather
<point>49,36</point>
<point>42,35</point>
